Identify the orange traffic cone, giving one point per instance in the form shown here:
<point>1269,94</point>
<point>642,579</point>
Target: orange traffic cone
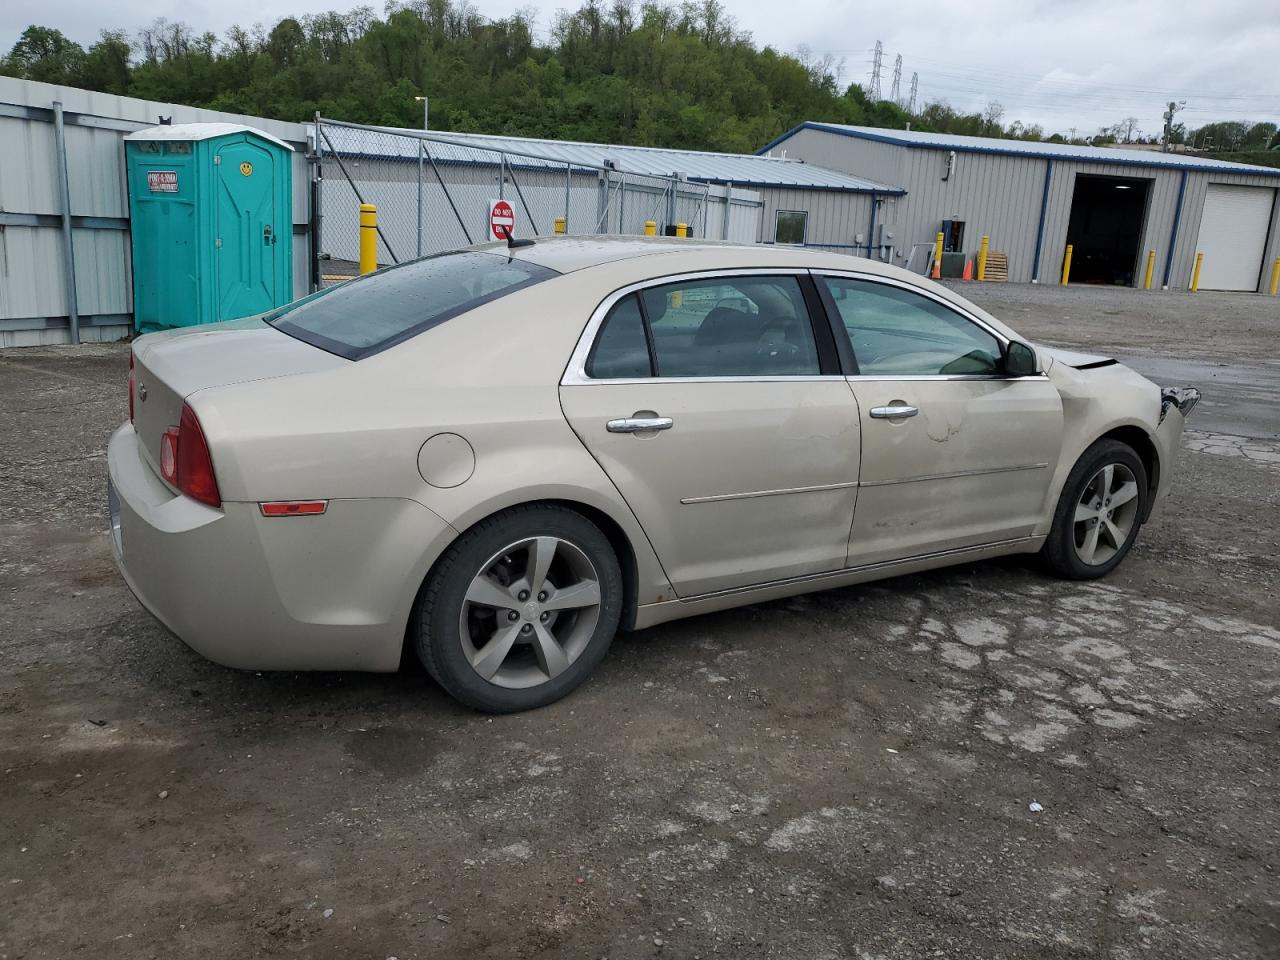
<point>936,272</point>
<point>968,270</point>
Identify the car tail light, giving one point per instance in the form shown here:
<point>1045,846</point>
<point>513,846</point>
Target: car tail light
<point>195,465</point>
<point>185,460</point>
<point>133,384</point>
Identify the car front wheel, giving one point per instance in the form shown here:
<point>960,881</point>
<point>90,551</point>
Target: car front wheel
<point>520,610</point>
<point>1099,513</point>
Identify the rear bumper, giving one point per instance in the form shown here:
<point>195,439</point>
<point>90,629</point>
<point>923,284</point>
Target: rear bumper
<point>330,592</point>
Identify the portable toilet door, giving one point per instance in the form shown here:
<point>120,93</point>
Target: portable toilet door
<point>253,264</point>
<point>212,223</point>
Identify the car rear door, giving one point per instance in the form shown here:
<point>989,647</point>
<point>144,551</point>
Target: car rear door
<point>715,404</point>
<point>955,452</point>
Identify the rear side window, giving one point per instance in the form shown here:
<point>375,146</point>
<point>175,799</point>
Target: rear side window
<point>373,312</point>
<point>707,328</point>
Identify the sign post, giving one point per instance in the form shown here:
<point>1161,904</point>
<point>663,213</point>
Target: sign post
<point>501,219</point>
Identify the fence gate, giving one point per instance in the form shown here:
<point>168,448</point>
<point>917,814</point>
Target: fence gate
<point>434,192</point>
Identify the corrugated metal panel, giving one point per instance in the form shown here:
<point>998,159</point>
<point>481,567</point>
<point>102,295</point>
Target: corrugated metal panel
<point>834,221</point>
<point>31,259</point>
<point>1028,148</point>
<point>743,169</point>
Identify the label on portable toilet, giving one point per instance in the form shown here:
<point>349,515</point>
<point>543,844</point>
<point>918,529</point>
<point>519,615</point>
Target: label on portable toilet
<point>162,181</point>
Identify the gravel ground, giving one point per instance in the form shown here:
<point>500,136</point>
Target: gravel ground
<point>847,774</point>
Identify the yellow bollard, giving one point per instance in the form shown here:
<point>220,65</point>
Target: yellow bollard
<point>682,229</point>
<point>651,228</point>
<point>1275,278</point>
<point>982,258</point>
<point>562,224</point>
<point>368,238</point>
<point>937,258</point>
<point>1195,274</point>
<point>1151,268</point>
<point>1066,265</point>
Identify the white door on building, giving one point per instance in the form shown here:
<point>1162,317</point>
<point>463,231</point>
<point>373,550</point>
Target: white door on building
<point>1233,235</point>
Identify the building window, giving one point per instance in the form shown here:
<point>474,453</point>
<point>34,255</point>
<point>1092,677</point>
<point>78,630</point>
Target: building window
<point>790,227</point>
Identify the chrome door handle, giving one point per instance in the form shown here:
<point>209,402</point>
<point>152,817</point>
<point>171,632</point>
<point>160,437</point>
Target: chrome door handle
<point>638,424</point>
<point>894,411</point>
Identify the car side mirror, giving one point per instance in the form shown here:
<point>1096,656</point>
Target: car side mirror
<point>1020,360</point>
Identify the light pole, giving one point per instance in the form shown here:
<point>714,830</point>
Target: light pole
<point>425,115</point>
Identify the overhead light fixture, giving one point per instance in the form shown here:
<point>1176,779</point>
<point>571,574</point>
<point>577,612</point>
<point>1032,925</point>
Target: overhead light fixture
<point>1123,186</point>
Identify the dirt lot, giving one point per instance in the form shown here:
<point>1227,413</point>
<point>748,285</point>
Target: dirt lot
<point>846,774</point>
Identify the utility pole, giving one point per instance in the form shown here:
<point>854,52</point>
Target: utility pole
<point>895,92</point>
<point>1174,107</point>
<point>1072,131</point>
<point>873,88</point>
<point>915,85</point>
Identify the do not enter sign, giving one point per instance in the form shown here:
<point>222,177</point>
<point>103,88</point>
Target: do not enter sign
<point>501,219</point>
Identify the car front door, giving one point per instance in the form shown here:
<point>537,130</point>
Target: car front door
<point>955,452</point>
<point>715,405</point>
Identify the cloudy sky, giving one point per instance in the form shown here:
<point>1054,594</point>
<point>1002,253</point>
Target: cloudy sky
<point>1060,63</point>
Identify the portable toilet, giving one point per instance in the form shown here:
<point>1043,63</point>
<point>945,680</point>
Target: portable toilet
<point>211,214</point>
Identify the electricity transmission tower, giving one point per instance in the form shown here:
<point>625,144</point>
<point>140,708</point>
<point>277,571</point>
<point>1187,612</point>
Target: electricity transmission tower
<point>1174,107</point>
<point>873,88</point>
<point>895,92</point>
<point>911,100</point>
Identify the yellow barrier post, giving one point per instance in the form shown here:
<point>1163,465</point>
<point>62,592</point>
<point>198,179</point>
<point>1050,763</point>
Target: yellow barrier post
<point>1151,269</point>
<point>1195,274</point>
<point>982,258</point>
<point>1275,278</point>
<point>937,257</point>
<point>651,228</point>
<point>682,229</point>
<point>368,238</point>
<point>561,225</point>
<point>1066,264</point>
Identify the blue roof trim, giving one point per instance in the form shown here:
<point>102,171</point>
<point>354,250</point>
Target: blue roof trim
<point>1245,170</point>
<point>773,185</point>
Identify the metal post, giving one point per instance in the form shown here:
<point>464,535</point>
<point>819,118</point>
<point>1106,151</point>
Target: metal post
<point>368,238</point>
<point>1275,277</point>
<point>568,175</point>
<point>982,260</point>
<point>317,214</point>
<point>1195,273</point>
<point>502,176</point>
<point>728,210</point>
<point>420,172</point>
<point>937,257</point>
<point>68,244</point>
<point>622,205</point>
<point>1066,264</point>
<point>1151,269</point>
<point>871,230</point>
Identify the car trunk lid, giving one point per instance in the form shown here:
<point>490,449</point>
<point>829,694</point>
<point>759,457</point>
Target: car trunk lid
<point>172,366</point>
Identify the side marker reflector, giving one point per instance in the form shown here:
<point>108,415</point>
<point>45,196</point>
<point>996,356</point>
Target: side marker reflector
<point>294,508</point>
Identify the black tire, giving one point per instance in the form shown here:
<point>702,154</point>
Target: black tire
<point>436,630</point>
<point>1059,551</point>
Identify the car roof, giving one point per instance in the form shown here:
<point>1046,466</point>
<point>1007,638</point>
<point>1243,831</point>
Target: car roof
<point>570,254</point>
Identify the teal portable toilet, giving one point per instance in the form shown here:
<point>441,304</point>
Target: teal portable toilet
<point>211,214</point>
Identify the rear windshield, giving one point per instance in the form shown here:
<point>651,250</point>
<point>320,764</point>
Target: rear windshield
<point>376,311</point>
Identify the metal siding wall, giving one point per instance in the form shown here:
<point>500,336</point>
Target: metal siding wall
<point>31,259</point>
<point>1189,233</point>
<point>835,217</point>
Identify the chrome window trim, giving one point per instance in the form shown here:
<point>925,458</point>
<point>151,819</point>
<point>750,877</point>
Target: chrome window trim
<point>575,373</point>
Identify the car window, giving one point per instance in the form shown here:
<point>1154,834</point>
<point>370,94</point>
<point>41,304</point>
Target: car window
<point>373,312</point>
<point>621,350</point>
<point>896,332</point>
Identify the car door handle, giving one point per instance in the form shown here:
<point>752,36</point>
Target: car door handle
<point>638,424</point>
<point>894,411</point>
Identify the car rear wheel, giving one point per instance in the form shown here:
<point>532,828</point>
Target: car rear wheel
<point>1099,513</point>
<point>518,612</point>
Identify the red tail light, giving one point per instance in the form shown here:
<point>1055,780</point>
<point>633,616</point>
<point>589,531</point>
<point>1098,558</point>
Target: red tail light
<point>185,460</point>
<point>133,384</point>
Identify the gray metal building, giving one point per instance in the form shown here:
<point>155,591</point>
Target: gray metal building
<point>1114,206</point>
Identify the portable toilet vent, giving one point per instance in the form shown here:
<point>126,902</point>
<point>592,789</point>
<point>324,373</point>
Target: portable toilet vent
<point>210,211</point>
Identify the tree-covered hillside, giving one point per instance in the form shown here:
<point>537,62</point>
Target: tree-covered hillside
<point>655,73</point>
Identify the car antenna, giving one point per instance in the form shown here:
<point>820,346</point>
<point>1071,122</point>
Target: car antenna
<point>513,243</point>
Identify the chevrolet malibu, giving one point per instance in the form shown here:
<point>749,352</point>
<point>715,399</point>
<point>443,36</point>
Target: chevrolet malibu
<point>499,456</point>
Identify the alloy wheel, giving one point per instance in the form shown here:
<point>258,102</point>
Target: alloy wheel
<point>1106,515</point>
<point>529,612</point>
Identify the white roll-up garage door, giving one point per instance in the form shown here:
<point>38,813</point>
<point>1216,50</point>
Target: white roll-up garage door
<point>1233,235</point>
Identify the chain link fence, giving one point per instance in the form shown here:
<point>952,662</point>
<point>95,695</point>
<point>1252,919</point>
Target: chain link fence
<point>433,193</point>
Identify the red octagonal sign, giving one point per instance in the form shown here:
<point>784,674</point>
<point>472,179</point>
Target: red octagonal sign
<point>502,219</point>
